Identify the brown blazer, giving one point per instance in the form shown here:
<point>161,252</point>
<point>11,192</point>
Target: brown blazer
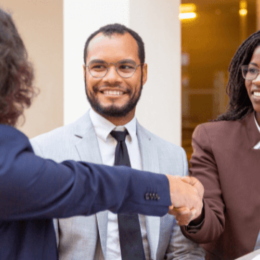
<point>229,168</point>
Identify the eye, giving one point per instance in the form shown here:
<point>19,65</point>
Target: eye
<point>98,66</point>
<point>252,70</point>
<point>126,67</point>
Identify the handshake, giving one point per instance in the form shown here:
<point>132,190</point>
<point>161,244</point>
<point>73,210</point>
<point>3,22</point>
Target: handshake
<point>186,197</point>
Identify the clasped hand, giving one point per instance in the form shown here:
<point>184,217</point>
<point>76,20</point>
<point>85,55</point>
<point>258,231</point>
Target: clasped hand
<point>186,197</point>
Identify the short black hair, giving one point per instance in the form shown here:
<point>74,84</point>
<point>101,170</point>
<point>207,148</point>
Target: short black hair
<point>116,28</point>
<point>239,103</point>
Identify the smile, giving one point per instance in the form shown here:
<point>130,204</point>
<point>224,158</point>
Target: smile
<point>256,94</point>
<point>113,92</point>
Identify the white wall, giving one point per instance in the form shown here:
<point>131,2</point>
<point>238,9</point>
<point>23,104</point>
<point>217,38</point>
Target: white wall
<point>160,107</point>
<point>81,18</point>
<point>157,23</point>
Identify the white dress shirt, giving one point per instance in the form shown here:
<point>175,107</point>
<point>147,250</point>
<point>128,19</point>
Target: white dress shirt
<point>257,146</point>
<point>107,146</point>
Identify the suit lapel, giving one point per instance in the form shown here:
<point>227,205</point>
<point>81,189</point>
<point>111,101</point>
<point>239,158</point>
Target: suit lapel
<point>150,163</point>
<point>88,149</point>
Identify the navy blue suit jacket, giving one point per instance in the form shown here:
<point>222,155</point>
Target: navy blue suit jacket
<point>34,190</point>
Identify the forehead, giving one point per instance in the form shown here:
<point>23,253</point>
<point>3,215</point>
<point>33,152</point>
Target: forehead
<point>256,55</point>
<point>113,48</point>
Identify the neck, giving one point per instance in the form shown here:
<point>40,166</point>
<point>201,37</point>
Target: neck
<point>120,120</point>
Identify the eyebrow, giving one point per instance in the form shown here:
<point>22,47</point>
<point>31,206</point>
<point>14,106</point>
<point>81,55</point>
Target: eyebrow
<point>121,61</point>
<point>127,61</point>
<point>97,61</point>
<point>252,63</point>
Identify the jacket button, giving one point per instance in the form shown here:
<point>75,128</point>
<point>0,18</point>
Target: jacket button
<point>157,197</point>
<point>147,197</point>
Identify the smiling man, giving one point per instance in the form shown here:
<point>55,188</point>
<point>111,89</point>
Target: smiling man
<point>114,73</point>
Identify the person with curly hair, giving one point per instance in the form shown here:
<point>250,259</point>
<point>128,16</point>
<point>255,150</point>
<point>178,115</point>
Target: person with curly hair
<point>34,190</point>
<point>226,159</point>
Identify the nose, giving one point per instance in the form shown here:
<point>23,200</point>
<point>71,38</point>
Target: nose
<point>256,81</point>
<point>112,76</point>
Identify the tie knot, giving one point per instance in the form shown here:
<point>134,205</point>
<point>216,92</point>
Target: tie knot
<point>119,136</point>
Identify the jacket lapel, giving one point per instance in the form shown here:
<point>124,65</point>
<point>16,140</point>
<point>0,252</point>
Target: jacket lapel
<point>88,149</point>
<point>150,163</point>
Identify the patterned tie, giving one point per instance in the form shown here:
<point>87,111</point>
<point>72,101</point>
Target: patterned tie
<point>129,228</point>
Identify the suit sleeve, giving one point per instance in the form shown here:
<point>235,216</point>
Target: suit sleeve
<point>32,187</point>
<point>181,248</point>
<point>204,167</point>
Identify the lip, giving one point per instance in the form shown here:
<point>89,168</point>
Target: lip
<point>112,92</point>
<point>255,94</point>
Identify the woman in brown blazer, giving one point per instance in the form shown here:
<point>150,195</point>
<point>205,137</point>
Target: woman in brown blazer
<point>226,159</point>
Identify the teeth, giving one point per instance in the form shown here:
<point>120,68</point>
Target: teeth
<point>257,94</point>
<point>110,92</point>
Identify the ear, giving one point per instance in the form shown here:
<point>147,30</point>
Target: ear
<point>84,70</point>
<point>144,73</point>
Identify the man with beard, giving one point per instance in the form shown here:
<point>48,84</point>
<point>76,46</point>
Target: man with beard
<point>115,72</point>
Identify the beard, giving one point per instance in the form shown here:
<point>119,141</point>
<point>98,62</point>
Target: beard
<point>113,110</point>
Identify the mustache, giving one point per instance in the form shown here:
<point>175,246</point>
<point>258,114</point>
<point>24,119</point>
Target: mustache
<point>117,87</point>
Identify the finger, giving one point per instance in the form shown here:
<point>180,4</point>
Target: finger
<point>189,180</point>
<point>193,214</point>
<point>182,215</point>
<point>195,183</point>
<point>178,211</point>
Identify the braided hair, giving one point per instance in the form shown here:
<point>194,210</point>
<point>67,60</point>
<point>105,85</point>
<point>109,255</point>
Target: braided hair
<point>239,103</point>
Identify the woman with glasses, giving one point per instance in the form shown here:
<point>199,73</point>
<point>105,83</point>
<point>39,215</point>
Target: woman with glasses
<point>226,159</point>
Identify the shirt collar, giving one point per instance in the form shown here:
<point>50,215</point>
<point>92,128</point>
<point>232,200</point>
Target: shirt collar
<point>103,127</point>
<point>258,127</point>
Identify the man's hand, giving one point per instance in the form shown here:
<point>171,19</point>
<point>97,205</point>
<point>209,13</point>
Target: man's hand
<point>186,196</point>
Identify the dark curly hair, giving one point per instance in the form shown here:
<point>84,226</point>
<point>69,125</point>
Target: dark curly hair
<point>239,103</point>
<point>16,73</point>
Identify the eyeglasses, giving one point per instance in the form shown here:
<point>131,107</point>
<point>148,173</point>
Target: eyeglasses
<point>124,68</point>
<point>249,73</point>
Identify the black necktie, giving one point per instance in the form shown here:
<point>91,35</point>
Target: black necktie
<point>129,228</point>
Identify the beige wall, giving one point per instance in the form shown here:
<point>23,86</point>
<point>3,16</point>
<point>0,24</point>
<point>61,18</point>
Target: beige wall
<point>40,23</point>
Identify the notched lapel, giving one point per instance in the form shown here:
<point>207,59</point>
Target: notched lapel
<point>102,218</point>
<point>148,151</point>
<point>87,143</point>
<point>150,163</point>
<point>88,150</point>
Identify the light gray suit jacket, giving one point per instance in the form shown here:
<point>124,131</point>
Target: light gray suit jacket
<point>81,238</point>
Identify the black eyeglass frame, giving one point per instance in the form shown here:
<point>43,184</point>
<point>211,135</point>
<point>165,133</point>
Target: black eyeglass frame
<point>108,67</point>
<point>246,67</point>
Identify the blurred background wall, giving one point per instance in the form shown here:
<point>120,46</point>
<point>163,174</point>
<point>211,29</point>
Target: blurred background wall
<point>40,23</point>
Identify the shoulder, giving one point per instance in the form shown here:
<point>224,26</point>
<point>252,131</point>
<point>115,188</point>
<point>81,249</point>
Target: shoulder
<point>12,143</point>
<point>11,136</point>
<point>57,144</point>
<point>62,134</point>
<point>219,130</point>
<point>52,137</point>
<point>161,144</point>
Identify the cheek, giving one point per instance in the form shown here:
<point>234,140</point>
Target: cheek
<point>248,85</point>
